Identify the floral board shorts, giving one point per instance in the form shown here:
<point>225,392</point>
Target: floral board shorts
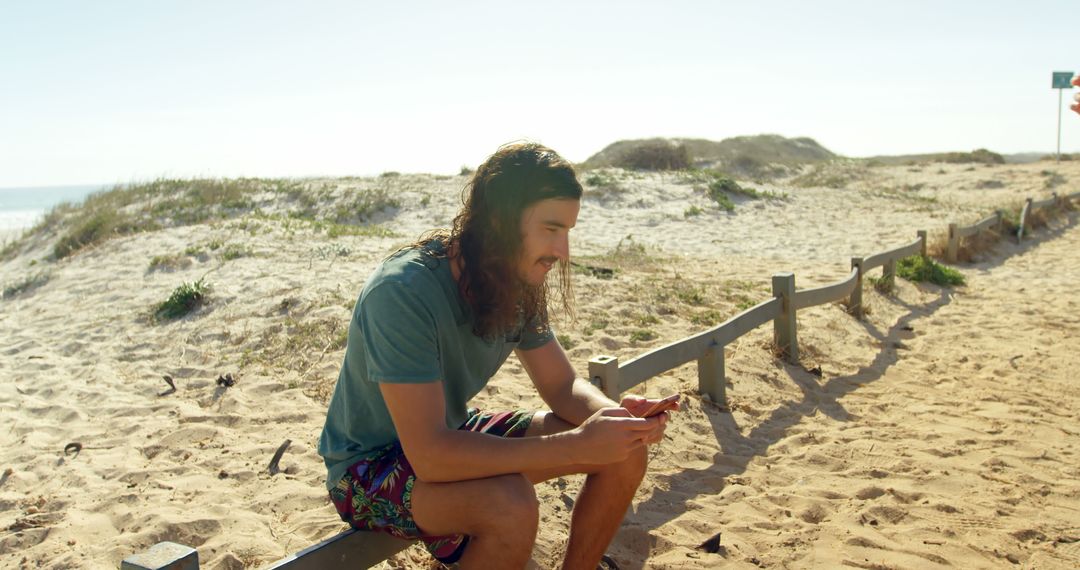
<point>376,493</point>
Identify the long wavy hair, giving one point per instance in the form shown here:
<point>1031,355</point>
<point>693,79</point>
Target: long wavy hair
<point>488,238</point>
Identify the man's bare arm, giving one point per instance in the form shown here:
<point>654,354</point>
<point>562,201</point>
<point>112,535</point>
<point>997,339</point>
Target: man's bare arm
<point>572,399</point>
<point>440,454</point>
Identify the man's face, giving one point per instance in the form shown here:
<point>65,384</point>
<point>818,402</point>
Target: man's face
<point>545,237</point>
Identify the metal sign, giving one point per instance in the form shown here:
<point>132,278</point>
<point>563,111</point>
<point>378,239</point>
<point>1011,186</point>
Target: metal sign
<point>1062,80</point>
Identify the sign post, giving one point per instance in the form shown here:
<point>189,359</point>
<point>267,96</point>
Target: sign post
<point>1061,80</point>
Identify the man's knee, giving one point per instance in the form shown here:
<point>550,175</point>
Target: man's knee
<point>514,496</point>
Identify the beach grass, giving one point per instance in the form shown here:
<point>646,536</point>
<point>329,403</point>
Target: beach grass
<point>183,300</point>
<point>924,269</point>
<point>336,207</point>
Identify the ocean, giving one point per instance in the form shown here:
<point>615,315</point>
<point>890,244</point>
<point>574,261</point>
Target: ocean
<point>21,208</point>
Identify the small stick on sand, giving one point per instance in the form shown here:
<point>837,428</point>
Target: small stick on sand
<point>277,457</point>
<point>172,386</point>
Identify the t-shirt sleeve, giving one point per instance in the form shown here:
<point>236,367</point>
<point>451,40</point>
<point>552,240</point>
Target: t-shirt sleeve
<point>399,332</point>
<point>536,333</point>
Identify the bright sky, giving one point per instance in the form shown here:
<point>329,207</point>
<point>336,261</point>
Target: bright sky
<point>112,91</point>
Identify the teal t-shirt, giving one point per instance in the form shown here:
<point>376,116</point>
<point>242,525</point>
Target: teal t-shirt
<point>410,325</point>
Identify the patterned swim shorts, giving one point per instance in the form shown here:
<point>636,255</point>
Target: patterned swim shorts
<point>376,493</point>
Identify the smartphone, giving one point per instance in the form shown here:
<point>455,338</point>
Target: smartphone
<point>669,403</point>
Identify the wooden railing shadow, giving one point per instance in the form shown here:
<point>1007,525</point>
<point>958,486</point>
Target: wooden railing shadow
<point>737,450</point>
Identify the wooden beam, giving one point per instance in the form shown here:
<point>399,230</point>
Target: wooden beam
<point>855,302</point>
<point>350,549</point>
<point>673,355</point>
<point>604,372</point>
<point>953,245</point>
<point>881,258</point>
<point>710,370</point>
<point>1023,220</point>
<point>784,325</point>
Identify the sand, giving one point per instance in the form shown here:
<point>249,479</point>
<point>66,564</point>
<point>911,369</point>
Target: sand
<point>942,431</point>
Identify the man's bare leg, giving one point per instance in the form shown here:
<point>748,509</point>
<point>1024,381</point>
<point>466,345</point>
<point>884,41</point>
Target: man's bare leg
<point>603,501</point>
<point>500,515</point>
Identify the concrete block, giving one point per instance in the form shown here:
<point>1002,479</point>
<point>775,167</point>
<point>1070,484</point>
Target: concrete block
<point>163,556</point>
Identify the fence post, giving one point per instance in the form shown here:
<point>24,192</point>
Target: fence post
<point>710,374</point>
<point>784,325</point>
<point>954,244</point>
<point>889,275</point>
<point>855,300</point>
<point>1023,220</point>
<point>604,373</point>
<point>922,246</point>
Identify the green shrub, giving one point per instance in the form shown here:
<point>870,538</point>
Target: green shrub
<point>234,251</point>
<point>1053,179</point>
<point>724,184</point>
<point>835,174</point>
<point>93,230</point>
<point>920,269</point>
<point>980,155</point>
<point>170,261</point>
<point>655,155</point>
<point>183,300</point>
<point>602,184</point>
<point>641,335</point>
<point>722,201</point>
<point>366,205</point>
<point>708,317</point>
<point>693,211</point>
<point>600,179</point>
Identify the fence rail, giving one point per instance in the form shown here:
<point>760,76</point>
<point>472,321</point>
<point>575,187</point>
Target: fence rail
<point>827,293</point>
<point>1045,203</point>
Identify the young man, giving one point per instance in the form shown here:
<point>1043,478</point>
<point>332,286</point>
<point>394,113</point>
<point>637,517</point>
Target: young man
<point>432,325</point>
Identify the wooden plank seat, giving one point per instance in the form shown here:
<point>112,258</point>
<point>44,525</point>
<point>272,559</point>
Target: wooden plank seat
<point>350,549</point>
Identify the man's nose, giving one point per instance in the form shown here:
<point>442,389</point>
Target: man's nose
<point>562,248</point>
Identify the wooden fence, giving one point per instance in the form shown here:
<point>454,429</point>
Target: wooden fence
<point>707,348</point>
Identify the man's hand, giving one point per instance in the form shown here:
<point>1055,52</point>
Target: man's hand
<point>1076,106</point>
<point>611,434</point>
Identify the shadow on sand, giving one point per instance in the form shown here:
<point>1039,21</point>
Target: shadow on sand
<point>737,450</point>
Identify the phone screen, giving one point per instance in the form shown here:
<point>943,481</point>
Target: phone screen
<point>669,403</point>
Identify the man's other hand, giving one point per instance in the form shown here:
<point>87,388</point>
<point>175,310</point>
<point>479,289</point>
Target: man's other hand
<point>611,434</point>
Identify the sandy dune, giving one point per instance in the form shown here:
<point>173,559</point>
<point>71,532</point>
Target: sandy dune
<point>942,431</point>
